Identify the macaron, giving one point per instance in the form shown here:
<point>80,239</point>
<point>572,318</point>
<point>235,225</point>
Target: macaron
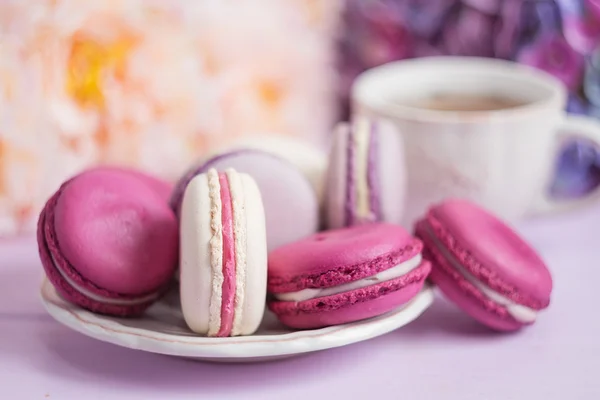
<point>309,158</point>
<point>366,177</point>
<point>108,240</point>
<point>223,254</point>
<point>483,266</point>
<point>345,275</point>
<point>291,205</point>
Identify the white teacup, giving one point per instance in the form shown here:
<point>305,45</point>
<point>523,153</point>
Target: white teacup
<point>483,129</point>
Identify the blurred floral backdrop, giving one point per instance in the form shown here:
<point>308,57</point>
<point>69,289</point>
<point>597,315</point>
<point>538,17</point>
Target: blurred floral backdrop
<point>155,83</point>
<point>151,84</point>
<point>561,37</point>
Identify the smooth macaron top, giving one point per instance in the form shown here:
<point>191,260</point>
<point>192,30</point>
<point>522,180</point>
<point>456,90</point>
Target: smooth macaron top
<point>492,252</point>
<point>339,256</point>
<point>116,230</point>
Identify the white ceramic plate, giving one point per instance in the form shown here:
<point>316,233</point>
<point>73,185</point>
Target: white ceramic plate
<point>162,330</point>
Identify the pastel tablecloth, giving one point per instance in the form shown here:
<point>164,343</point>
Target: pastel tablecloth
<point>443,355</point>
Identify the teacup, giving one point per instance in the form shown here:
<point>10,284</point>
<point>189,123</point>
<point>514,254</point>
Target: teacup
<point>483,129</point>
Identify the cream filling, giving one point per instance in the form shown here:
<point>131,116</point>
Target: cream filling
<point>361,135</point>
<point>99,298</point>
<point>517,311</point>
<point>239,233</point>
<point>383,276</point>
<point>216,256</point>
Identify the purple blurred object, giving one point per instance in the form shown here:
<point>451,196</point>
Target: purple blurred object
<point>554,55</point>
<point>470,33</point>
<point>491,7</point>
<point>520,22</point>
<point>558,36</point>
<point>422,17</point>
<point>583,33</point>
<point>509,30</point>
<point>591,85</point>
<point>424,48</point>
<point>575,105</point>
<point>577,171</point>
<point>594,8</point>
<point>579,7</point>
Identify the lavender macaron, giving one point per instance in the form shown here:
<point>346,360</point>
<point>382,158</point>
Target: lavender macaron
<point>366,178</point>
<point>290,202</point>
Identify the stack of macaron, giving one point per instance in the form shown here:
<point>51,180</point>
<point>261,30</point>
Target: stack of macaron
<point>316,243</point>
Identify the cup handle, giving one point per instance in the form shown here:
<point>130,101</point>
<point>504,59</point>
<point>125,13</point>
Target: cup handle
<point>573,127</point>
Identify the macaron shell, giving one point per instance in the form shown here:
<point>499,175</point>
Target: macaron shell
<point>337,256</point>
<point>196,278</point>
<point>117,232</point>
<point>310,159</point>
<point>462,292</point>
<point>162,188</point>
<point>66,290</point>
<point>492,252</point>
<point>256,257</point>
<point>352,306</point>
<point>473,302</point>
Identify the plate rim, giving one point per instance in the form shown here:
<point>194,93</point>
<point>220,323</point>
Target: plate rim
<point>243,347</point>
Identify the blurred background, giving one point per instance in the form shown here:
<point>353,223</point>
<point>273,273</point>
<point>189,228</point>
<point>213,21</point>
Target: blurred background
<point>155,84</point>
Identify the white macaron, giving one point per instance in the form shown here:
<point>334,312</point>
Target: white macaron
<point>223,254</point>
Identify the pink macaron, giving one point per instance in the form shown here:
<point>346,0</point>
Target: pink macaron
<point>366,175</point>
<point>345,275</point>
<point>483,265</point>
<point>108,240</point>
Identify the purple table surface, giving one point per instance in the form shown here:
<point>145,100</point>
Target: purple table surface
<point>442,355</point>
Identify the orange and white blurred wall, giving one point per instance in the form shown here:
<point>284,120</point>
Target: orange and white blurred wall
<point>151,84</point>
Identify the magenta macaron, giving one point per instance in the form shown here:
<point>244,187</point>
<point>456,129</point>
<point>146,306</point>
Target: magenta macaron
<point>108,240</point>
<point>483,266</point>
<point>345,275</point>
